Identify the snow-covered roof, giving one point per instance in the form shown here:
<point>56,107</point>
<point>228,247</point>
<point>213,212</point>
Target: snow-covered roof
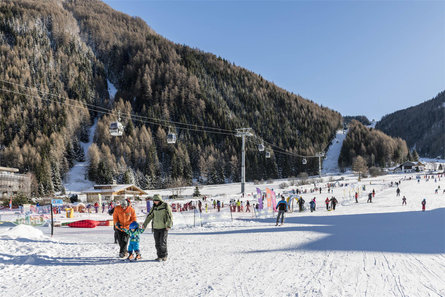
<point>97,189</point>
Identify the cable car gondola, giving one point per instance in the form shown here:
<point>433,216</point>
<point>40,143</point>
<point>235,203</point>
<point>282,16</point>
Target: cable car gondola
<point>261,147</point>
<point>304,161</point>
<point>116,129</point>
<point>267,155</point>
<point>171,137</point>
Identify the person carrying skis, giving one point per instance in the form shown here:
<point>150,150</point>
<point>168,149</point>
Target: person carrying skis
<point>404,200</point>
<point>327,203</point>
<point>134,233</point>
<point>162,220</point>
<point>123,216</point>
<point>423,204</point>
<point>282,208</point>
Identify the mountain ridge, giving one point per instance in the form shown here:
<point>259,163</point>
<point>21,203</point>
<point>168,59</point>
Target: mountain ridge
<point>421,125</point>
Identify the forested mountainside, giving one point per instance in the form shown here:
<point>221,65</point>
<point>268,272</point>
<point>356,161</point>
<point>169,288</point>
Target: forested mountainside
<point>377,148</point>
<point>422,126</point>
<point>56,57</point>
<point>361,118</point>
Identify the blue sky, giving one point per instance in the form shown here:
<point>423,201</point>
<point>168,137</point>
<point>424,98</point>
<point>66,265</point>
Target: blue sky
<point>356,57</point>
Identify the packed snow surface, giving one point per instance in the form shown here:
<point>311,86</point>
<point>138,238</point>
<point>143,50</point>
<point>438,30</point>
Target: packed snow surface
<point>330,163</point>
<point>377,249</point>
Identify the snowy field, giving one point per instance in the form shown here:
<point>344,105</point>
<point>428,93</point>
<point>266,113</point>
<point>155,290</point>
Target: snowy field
<point>360,249</point>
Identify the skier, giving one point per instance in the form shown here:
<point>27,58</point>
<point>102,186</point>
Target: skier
<point>312,204</point>
<point>373,193</point>
<point>218,205</point>
<point>356,197</point>
<point>162,220</point>
<point>282,208</point>
<point>247,206</point>
<point>301,203</point>
<point>96,207</point>
<point>327,203</point>
<point>334,202</point>
<point>369,198</point>
<point>103,207</point>
<point>423,204</point>
<point>404,200</point>
<point>398,192</point>
<point>134,233</point>
<point>123,215</point>
<point>200,205</point>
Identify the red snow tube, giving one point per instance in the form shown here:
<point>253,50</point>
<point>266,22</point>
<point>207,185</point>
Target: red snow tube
<point>84,224</point>
<point>105,223</point>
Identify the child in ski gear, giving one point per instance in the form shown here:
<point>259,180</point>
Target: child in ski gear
<point>404,200</point>
<point>162,220</point>
<point>123,216</point>
<point>134,231</point>
<point>282,208</point>
<point>423,204</point>
<point>312,204</point>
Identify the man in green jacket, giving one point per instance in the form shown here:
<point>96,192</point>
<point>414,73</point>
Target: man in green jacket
<point>162,220</point>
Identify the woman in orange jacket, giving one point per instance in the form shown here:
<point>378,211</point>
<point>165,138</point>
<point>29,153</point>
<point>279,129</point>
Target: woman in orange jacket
<point>123,216</point>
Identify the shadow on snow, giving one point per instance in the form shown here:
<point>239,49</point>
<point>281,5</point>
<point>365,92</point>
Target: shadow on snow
<point>399,232</point>
<point>42,260</point>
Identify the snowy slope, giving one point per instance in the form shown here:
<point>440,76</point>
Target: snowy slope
<point>361,249</point>
<point>76,179</point>
<point>330,163</point>
<point>111,90</point>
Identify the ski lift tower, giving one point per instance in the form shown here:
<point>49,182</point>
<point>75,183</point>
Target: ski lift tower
<point>319,155</point>
<point>243,132</point>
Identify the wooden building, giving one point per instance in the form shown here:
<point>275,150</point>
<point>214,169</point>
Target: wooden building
<point>113,192</point>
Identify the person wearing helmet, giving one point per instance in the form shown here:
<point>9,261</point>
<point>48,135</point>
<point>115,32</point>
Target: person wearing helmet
<point>134,233</point>
<point>123,216</point>
<point>162,220</point>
